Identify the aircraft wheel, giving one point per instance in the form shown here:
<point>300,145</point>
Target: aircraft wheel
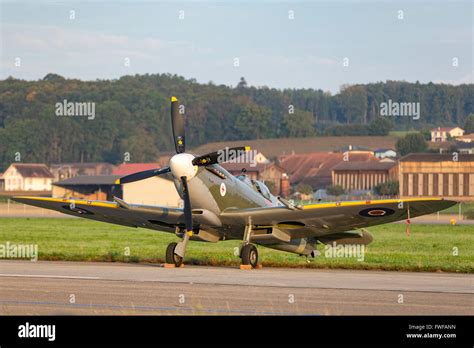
<point>249,255</point>
<point>171,257</point>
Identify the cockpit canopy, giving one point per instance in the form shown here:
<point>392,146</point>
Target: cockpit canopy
<point>257,185</point>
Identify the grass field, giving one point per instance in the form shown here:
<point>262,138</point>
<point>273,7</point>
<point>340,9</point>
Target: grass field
<point>401,134</point>
<point>465,207</point>
<point>429,248</point>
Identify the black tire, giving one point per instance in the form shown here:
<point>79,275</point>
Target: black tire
<point>171,257</point>
<point>249,255</point>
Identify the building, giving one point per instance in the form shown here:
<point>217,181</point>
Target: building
<point>89,187</point>
<point>152,191</point>
<point>315,169</point>
<point>355,150</point>
<point>468,138</point>
<point>385,153</point>
<point>441,134</point>
<point>388,160</point>
<point>437,175</point>
<point>27,177</point>
<point>465,148</point>
<point>2,182</point>
<point>158,190</point>
<point>130,168</point>
<point>363,176</point>
<point>260,158</point>
<point>64,171</point>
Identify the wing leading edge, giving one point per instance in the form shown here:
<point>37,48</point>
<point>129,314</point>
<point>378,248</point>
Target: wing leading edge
<point>132,215</point>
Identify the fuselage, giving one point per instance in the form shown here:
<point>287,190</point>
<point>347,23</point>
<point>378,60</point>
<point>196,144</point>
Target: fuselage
<point>215,189</point>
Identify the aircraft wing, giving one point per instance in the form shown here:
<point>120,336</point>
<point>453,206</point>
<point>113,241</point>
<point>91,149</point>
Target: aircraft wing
<point>120,213</point>
<point>324,219</point>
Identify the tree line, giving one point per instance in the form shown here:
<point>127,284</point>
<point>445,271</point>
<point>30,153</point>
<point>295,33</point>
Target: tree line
<point>132,114</point>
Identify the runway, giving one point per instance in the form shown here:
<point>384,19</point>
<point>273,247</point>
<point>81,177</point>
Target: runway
<point>64,288</point>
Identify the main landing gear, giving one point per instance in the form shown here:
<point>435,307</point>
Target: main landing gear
<point>175,251</point>
<point>248,251</point>
<point>249,255</point>
<point>171,257</point>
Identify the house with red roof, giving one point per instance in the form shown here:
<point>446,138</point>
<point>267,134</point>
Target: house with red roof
<point>27,177</point>
<point>467,138</point>
<point>315,169</point>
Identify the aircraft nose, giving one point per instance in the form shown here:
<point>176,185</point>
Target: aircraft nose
<point>181,165</point>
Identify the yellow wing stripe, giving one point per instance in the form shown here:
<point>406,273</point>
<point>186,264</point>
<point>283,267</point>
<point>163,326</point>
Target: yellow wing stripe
<point>368,202</point>
<point>69,201</point>
<point>305,207</point>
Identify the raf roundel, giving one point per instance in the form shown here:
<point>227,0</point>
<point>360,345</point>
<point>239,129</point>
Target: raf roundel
<point>223,189</point>
<point>376,212</point>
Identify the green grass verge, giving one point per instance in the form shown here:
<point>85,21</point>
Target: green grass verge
<point>4,199</point>
<point>429,248</point>
<point>465,207</point>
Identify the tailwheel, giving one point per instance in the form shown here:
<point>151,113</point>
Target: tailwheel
<point>249,255</point>
<point>171,257</point>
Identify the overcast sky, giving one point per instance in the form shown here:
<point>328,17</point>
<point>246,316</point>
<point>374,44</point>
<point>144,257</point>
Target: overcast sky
<point>272,49</point>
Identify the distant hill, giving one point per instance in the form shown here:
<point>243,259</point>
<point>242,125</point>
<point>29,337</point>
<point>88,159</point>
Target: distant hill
<point>131,116</point>
<point>277,147</point>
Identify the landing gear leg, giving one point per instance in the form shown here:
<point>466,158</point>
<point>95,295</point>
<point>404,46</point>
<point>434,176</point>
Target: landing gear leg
<point>248,251</point>
<point>175,251</point>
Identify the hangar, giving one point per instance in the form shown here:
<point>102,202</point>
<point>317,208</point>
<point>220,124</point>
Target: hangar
<point>437,175</point>
<point>363,175</point>
<point>154,191</point>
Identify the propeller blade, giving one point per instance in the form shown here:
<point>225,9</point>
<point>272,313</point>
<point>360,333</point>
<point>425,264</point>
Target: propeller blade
<point>180,249</point>
<point>142,175</point>
<point>188,214</point>
<point>177,121</point>
<point>220,156</point>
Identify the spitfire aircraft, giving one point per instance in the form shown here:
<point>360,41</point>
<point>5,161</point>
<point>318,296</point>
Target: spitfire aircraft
<point>219,206</point>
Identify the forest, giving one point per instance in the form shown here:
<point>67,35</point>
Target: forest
<point>132,114</point>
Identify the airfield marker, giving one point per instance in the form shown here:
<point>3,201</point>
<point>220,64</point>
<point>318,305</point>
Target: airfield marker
<point>172,265</point>
<point>249,267</point>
